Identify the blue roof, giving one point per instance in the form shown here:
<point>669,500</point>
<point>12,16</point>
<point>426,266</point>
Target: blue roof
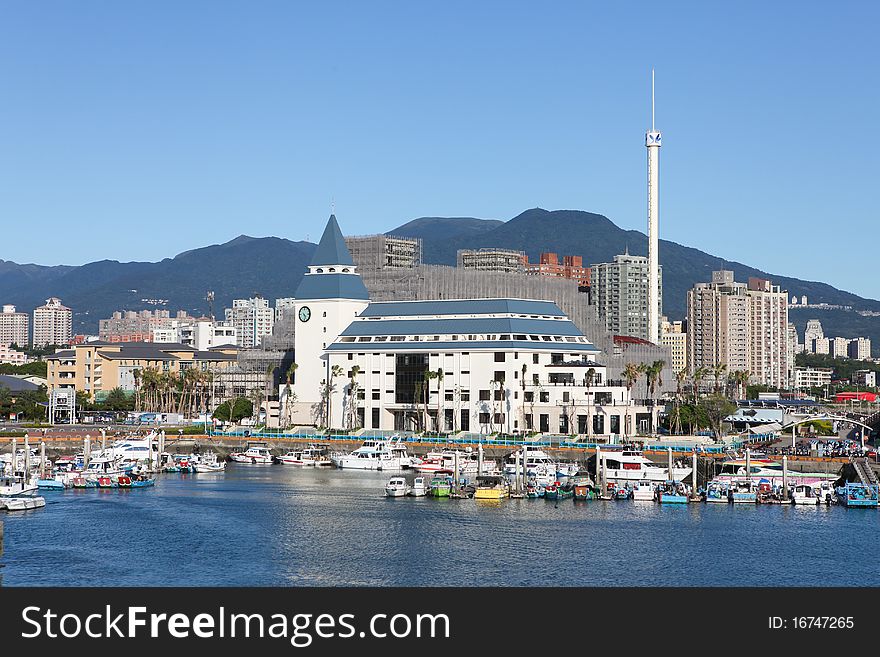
<point>331,249</point>
<point>464,345</point>
<point>462,307</point>
<point>331,286</point>
<point>508,325</point>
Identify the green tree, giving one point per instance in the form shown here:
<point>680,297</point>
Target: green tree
<point>717,407</point>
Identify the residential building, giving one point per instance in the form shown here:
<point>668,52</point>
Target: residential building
<point>673,335</point>
<point>53,324</point>
<point>252,318</point>
<point>139,326</point>
<point>860,348</point>
<point>718,324</point>
<point>14,327</point>
<point>812,377</point>
<point>96,368</point>
<point>793,347</point>
<point>571,267</point>
<point>620,292</point>
<point>282,306</point>
<point>769,353</point>
<point>9,356</point>
<point>821,346</point>
<point>490,259</point>
<point>812,333</point>
<point>866,378</point>
<point>200,334</point>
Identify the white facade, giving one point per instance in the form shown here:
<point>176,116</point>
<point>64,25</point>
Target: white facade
<point>252,319</point>
<point>53,323</point>
<point>769,352</point>
<point>811,377</point>
<point>652,143</point>
<point>860,348</point>
<point>282,306</point>
<point>14,327</point>
<point>9,356</point>
<point>839,347</point>
<point>865,378</point>
<point>200,334</point>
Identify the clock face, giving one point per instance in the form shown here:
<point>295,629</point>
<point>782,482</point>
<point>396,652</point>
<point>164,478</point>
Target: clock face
<point>304,314</point>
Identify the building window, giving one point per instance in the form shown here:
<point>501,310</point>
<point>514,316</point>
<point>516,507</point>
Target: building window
<point>529,396</point>
<point>484,395</point>
<point>499,356</point>
<point>535,359</point>
<point>545,397</point>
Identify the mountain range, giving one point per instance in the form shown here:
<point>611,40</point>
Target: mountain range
<point>273,267</point>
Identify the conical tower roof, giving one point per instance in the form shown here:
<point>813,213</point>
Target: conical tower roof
<point>332,249</point>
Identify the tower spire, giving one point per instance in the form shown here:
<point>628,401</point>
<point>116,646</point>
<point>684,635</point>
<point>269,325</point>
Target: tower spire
<point>652,143</point>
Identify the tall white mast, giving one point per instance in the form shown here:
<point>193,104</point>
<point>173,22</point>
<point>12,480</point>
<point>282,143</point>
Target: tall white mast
<point>652,143</point>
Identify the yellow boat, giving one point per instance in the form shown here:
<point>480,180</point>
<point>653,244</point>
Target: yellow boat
<point>491,487</point>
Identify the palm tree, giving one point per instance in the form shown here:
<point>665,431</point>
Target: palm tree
<point>290,396</point>
<point>352,396</point>
<point>522,384</point>
<point>741,379</point>
<point>699,374</point>
<point>718,372</point>
<point>430,375</point>
<point>680,378</point>
<point>136,374</point>
<point>588,383</point>
<point>441,394</point>
<point>335,371</point>
<point>631,373</point>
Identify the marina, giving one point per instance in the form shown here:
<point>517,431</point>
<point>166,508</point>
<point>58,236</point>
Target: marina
<point>276,519</point>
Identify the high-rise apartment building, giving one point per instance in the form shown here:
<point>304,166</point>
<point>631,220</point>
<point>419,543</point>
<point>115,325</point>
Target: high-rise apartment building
<point>53,323</point>
<point>812,333</point>
<point>768,343</point>
<point>673,335</point>
<point>140,326</point>
<point>860,348</point>
<point>13,327</point>
<point>252,318</point>
<point>620,293</point>
<point>839,347</point>
<point>718,324</point>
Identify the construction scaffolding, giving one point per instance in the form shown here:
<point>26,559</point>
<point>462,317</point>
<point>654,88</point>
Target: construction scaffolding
<point>376,252</point>
<point>499,260</point>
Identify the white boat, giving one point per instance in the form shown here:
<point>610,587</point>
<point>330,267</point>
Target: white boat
<point>16,486</point>
<point>468,463</point>
<point>804,494</point>
<point>642,491</point>
<point>209,463</point>
<point>760,467</point>
<point>538,465</point>
<point>716,491</point>
<point>631,465</point>
<point>102,466</point>
<point>419,487</point>
<point>376,454</point>
<point>22,503</point>
<point>313,455</point>
<point>396,487</point>
<point>254,455</point>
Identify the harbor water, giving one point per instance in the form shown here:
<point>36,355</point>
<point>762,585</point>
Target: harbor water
<point>277,525</point>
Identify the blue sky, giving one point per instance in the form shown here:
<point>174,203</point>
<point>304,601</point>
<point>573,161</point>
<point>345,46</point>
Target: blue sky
<point>136,130</point>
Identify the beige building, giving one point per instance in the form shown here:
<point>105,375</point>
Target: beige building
<point>718,324</point>
<point>768,328</point>
<point>98,367</point>
<point>13,327</point>
<point>9,356</point>
<point>252,318</point>
<point>53,323</point>
<point>672,335</point>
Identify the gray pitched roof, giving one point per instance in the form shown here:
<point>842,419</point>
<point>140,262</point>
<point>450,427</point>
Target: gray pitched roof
<point>509,325</point>
<point>331,249</point>
<point>331,286</point>
<point>14,384</point>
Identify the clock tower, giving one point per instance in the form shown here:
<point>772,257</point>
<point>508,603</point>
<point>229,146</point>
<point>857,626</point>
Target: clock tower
<point>329,297</point>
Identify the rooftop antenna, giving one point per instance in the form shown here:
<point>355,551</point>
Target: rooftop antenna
<point>210,298</point>
<point>652,100</point>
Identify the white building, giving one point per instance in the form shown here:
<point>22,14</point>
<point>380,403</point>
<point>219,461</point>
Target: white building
<point>860,348</point>
<point>620,293</point>
<point>252,318</point>
<point>507,364</point>
<point>812,333</point>
<point>865,378</point>
<point>839,347</point>
<point>14,327</point>
<point>821,346</point>
<point>282,306</point>
<point>769,350</point>
<point>200,334</point>
<point>53,323</point>
<point>811,377</point>
<point>9,356</point>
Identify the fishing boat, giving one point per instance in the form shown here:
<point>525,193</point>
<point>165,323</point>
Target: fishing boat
<point>491,487</point>
<point>669,492</point>
<point>50,484</point>
<point>621,492</point>
<point>376,454</point>
<point>558,491</point>
<point>208,463</point>
<point>824,491</point>
<point>102,466</point>
<point>582,485</point>
<point>855,494</point>
<point>631,465</point>
<point>716,491</point>
<point>642,491</point>
<point>419,487</point>
<point>536,464</point>
<point>742,491</point>
<point>313,455</point>
<point>82,482</point>
<point>124,482</point>
<point>468,463</point>
<point>254,455</point>
<point>396,487</point>
<point>804,494</point>
<point>15,486</point>
<point>142,482</point>
<point>535,490</point>
<point>25,503</point>
<point>106,482</point>
<point>441,484</point>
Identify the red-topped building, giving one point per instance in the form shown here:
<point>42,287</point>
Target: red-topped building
<point>571,267</point>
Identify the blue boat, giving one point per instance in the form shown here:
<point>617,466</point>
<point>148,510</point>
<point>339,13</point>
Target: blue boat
<point>142,483</point>
<point>670,493</point>
<point>49,484</point>
<point>858,495</point>
<point>742,492</point>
